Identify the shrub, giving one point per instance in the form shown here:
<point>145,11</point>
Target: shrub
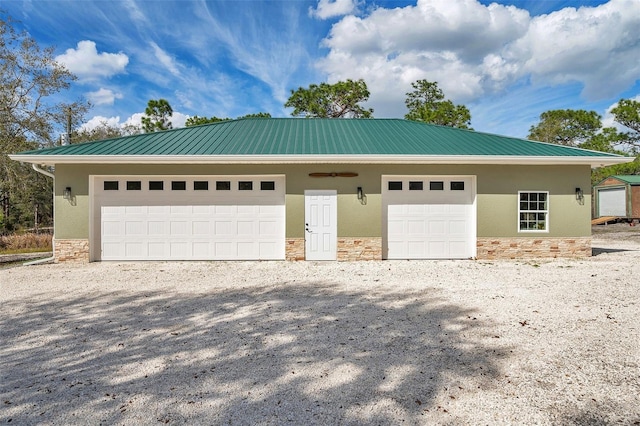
<point>26,242</point>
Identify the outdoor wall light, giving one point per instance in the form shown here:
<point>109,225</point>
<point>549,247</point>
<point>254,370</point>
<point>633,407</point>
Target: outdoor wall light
<point>579,194</point>
<point>66,194</point>
<point>360,193</point>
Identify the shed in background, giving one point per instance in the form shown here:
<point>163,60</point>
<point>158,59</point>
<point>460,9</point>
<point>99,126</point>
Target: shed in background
<point>617,196</point>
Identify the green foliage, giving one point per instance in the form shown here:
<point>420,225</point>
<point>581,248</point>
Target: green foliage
<point>104,131</point>
<point>584,129</point>
<point>427,103</point>
<point>339,100</point>
<point>605,141</point>
<point>566,127</point>
<point>627,113</point>
<point>197,120</point>
<point>257,115</point>
<point>157,116</point>
<point>29,119</point>
<point>599,174</point>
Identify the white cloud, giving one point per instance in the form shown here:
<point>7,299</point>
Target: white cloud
<point>178,119</point>
<point>99,121</point>
<point>166,60</point>
<point>103,97</point>
<point>88,64</point>
<point>596,46</point>
<point>473,50</point>
<point>331,8</point>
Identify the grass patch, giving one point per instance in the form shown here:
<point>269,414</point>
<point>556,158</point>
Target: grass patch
<point>25,243</point>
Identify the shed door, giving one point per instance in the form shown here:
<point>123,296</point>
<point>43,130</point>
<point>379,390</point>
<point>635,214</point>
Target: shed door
<point>189,218</point>
<point>429,217</point>
<point>612,202</point>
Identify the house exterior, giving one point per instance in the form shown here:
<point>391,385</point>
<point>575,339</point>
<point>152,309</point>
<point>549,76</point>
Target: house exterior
<point>617,196</point>
<point>319,189</point>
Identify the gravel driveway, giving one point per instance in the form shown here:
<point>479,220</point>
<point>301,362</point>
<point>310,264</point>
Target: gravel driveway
<point>419,342</point>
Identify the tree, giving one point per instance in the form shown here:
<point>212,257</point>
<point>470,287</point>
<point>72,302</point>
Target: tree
<point>627,113</point>
<point>104,131</point>
<point>157,116</point>
<point>427,103</point>
<point>257,115</point>
<point>339,100</point>
<point>29,119</point>
<point>566,127</point>
<point>197,120</point>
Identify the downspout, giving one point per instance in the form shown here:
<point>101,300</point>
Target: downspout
<point>52,258</point>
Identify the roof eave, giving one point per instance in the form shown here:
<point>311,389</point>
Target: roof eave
<point>321,159</point>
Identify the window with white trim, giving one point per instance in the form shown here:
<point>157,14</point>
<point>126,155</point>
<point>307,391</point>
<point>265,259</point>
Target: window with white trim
<point>533,211</point>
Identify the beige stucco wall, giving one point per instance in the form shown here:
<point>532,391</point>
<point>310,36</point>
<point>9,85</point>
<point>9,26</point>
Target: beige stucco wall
<point>497,188</point>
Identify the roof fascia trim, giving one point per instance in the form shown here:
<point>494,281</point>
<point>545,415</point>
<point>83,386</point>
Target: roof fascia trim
<point>320,159</point>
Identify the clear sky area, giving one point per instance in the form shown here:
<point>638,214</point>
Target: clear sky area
<point>507,61</point>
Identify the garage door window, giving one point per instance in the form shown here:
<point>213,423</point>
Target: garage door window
<point>457,186</point>
<point>179,185</point>
<point>415,186</point>
<point>533,211</point>
<point>395,186</point>
<point>156,185</point>
<point>223,185</point>
<point>134,185</point>
<point>245,185</point>
<point>200,185</point>
<point>436,186</point>
<point>110,185</point>
<point>267,185</point>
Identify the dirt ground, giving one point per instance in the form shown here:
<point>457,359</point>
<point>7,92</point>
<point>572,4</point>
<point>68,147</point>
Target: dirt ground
<point>617,231</point>
<point>548,342</point>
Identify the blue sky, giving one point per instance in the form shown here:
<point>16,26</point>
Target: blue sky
<point>508,61</point>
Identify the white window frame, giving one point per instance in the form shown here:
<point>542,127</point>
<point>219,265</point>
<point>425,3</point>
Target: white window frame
<point>546,212</point>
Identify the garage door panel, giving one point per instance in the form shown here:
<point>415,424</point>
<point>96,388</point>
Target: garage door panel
<point>200,228</point>
<point>134,228</point>
<point>458,227</point>
<point>156,228</point>
<point>111,228</point>
<point>245,228</point>
<point>134,250</point>
<point>416,226</point>
<point>204,225</point>
<point>437,227</point>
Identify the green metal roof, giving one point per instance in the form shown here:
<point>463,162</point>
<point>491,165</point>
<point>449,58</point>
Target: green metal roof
<point>631,179</point>
<point>303,137</point>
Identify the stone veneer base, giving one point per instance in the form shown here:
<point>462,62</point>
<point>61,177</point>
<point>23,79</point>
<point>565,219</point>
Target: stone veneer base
<point>353,249</point>
<point>533,248</point>
<point>348,249</point>
<point>71,250</point>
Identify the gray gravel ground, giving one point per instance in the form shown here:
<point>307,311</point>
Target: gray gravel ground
<point>245,343</point>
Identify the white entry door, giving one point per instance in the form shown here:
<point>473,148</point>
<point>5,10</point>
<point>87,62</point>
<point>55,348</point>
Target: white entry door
<point>321,228</point>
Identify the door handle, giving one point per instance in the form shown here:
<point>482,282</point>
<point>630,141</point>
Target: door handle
<point>306,227</point>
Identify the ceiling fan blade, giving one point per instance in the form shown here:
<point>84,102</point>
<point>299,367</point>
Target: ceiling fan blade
<point>333,174</point>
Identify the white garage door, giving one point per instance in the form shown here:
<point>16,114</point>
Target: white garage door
<point>429,217</point>
<point>189,218</point>
<point>612,202</point>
